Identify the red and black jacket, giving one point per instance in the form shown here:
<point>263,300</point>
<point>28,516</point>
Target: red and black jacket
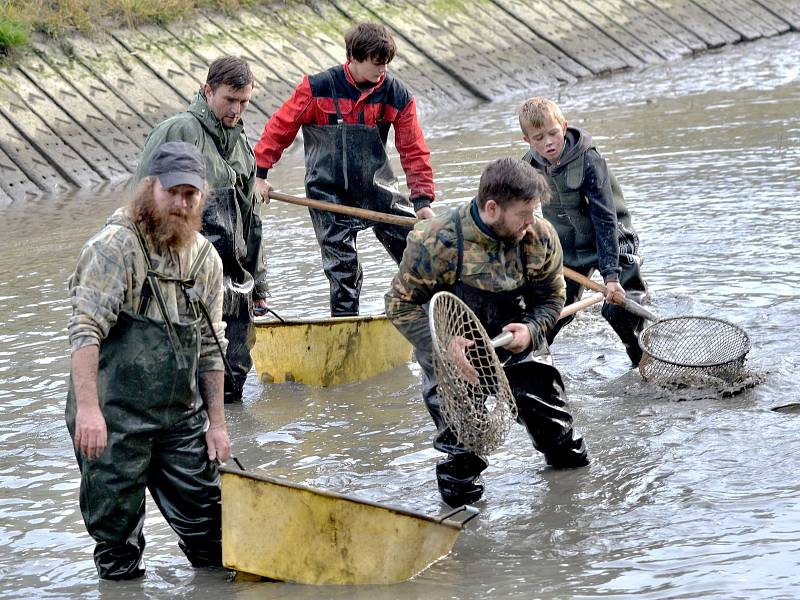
<point>387,104</point>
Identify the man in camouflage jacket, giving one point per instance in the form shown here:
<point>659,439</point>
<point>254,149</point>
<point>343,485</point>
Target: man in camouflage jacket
<point>507,266</point>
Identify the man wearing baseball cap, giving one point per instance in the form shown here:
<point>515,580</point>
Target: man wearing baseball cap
<point>145,400</point>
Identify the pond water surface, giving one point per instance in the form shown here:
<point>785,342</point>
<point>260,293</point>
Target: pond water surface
<point>685,498</point>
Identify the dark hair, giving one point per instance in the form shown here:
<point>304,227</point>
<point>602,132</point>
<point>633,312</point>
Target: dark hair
<point>508,180</point>
<point>369,41</point>
<point>229,70</point>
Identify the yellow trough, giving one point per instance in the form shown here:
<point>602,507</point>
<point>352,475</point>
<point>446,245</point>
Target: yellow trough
<point>325,352</point>
<point>289,532</point>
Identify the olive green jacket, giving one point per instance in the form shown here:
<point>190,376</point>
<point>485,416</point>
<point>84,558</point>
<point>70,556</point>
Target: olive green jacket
<point>229,163</point>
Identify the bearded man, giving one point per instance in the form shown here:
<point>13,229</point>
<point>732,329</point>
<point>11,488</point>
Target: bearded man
<point>506,265</point>
<point>145,403</point>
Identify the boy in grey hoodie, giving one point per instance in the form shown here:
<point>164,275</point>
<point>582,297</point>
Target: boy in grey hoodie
<point>588,211</point>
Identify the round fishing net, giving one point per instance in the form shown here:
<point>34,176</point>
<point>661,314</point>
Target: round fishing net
<point>693,350</point>
<point>474,394</point>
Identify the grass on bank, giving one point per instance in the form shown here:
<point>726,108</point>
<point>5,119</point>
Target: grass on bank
<point>19,19</point>
<point>13,34</point>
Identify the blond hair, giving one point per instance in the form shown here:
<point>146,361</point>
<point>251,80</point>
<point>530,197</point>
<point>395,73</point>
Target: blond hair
<point>535,112</point>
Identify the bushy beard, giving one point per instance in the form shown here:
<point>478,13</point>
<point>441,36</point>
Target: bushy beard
<point>167,230</point>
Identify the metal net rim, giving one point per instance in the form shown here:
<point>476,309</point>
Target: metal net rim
<point>469,434</point>
<point>643,335</point>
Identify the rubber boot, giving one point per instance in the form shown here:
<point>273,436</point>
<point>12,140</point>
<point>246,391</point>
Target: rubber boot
<point>458,477</point>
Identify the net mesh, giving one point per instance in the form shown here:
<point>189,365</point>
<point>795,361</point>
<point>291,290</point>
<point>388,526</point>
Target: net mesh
<point>693,350</point>
<point>477,404</point>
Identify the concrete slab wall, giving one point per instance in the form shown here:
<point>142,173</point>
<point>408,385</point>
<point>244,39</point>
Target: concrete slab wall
<point>76,113</point>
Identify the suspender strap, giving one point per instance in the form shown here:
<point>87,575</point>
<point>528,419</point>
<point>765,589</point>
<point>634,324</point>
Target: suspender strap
<point>147,291</point>
<point>340,123</point>
<point>198,306</point>
<point>155,289</point>
<point>459,244</point>
<point>188,282</point>
<point>194,269</point>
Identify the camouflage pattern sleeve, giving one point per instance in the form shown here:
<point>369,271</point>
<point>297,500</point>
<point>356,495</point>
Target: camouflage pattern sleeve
<point>97,287</point>
<point>108,279</point>
<point>429,261</point>
<point>547,290</point>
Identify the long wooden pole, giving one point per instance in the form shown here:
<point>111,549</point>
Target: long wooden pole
<point>571,309</point>
<point>411,221</point>
<point>629,305</point>
<point>353,211</point>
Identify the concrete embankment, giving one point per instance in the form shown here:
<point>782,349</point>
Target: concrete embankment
<point>76,113</point>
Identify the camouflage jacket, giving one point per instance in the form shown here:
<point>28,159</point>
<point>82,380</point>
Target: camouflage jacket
<point>430,263</point>
<point>109,277</point>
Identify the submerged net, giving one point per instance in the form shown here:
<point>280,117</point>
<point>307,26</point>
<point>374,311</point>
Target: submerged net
<point>476,403</point>
<point>698,351</point>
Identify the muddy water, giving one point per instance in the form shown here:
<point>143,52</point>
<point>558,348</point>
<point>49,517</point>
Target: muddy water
<point>684,498</point>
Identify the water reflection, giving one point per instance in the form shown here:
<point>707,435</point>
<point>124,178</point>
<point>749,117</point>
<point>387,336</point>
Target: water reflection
<point>692,498</point>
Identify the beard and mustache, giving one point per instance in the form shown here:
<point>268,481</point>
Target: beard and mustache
<point>168,229</point>
<point>508,235</point>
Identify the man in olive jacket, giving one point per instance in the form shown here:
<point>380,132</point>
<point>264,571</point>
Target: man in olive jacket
<point>213,123</point>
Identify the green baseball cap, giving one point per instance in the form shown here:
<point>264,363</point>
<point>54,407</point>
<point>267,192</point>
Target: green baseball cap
<point>178,163</point>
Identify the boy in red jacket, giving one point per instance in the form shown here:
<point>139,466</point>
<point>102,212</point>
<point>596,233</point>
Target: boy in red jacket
<point>345,113</point>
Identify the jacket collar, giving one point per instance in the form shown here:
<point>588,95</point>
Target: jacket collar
<point>476,216</point>
<point>362,91</point>
<point>224,138</point>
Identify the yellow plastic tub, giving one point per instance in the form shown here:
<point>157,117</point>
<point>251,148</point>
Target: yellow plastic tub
<point>289,532</point>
